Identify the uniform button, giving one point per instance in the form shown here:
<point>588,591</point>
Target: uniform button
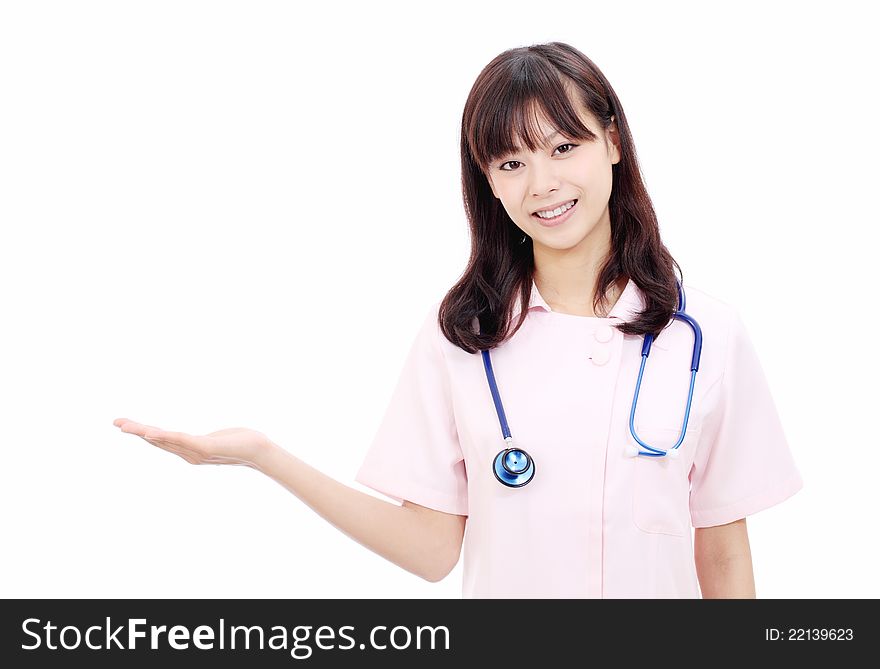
<point>601,354</point>
<point>604,333</point>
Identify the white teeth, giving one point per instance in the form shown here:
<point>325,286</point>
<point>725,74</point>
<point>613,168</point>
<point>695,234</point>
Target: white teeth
<point>556,212</point>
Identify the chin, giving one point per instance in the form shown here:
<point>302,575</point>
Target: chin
<point>564,239</point>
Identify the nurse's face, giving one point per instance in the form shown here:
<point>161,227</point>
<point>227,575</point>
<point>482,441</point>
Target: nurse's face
<point>566,169</point>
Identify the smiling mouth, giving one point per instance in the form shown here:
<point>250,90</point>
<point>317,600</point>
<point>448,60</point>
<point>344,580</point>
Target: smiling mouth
<point>564,213</point>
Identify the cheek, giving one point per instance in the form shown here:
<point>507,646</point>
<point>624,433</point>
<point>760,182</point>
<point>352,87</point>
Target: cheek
<point>511,201</point>
<point>598,183</point>
<point>511,213</point>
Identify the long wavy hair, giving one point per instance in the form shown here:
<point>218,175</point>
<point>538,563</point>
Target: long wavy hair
<point>498,116</point>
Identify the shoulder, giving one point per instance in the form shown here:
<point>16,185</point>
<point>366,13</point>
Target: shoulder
<point>430,332</point>
<point>711,306</point>
<point>715,316</point>
<point>721,329</point>
<point>430,324</point>
<point>433,331</point>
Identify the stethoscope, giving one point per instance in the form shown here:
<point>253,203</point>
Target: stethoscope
<point>514,467</point>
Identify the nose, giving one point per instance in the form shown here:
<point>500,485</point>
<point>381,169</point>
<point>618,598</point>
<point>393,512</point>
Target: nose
<point>544,177</point>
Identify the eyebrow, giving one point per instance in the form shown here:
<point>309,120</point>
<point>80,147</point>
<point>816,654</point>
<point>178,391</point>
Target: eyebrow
<point>546,141</point>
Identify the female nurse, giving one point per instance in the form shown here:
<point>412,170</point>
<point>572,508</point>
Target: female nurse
<point>568,279</point>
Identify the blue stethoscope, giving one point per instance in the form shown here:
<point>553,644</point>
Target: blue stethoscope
<point>514,467</point>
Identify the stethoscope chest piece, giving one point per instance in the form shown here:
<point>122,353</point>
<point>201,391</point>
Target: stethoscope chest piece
<point>513,467</point>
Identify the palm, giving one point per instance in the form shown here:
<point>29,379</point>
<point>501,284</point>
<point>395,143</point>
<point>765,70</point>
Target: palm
<point>230,446</point>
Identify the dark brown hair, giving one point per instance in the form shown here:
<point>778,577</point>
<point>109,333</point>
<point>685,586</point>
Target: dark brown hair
<point>498,114</point>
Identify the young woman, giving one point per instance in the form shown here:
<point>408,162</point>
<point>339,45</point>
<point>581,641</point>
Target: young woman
<point>569,409</point>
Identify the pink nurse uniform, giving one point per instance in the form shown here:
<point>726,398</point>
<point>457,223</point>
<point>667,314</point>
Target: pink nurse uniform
<point>594,521</point>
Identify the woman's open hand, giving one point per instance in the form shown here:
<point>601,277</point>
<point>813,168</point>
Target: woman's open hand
<point>232,446</point>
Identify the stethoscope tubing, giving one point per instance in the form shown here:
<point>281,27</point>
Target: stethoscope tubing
<point>514,467</point>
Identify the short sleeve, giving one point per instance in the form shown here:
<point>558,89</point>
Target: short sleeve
<point>743,463</point>
<point>416,454</point>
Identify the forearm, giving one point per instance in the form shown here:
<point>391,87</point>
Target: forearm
<point>730,579</point>
<point>395,532</point>
<point>724,562</point>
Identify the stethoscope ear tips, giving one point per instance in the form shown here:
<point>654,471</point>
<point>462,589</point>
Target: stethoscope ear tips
<point>513,467</point>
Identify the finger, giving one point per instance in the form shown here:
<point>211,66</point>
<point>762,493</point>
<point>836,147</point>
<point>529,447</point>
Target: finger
<point>187,441</point>
<point>194,457</point>
<point>128,422</point>
<point>171,448</point>
<point>150,432</point>
<point>166,445</point>
<point>125,424</point>
<point>128,425</point>
<point>196,447</point>
<point>140,429</point>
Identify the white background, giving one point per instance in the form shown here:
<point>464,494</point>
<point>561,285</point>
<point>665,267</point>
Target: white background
<point>220,214</point>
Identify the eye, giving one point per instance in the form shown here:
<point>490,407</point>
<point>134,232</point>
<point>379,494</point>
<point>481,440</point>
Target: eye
<point>569,144</point>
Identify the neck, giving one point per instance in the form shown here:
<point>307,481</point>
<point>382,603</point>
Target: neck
<point>566,278</point>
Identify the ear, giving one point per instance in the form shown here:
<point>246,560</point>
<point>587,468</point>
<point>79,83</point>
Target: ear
<point>614,140</point>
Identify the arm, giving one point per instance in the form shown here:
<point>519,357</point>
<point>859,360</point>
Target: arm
<point>423,541</point>
<point>724,561</point>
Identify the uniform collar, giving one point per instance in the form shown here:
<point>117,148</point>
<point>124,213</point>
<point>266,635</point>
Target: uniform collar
<point>630,303</point>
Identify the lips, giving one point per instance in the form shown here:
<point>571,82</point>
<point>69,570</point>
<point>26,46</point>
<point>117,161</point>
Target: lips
<point>558,220</point>
<point>555,206</point>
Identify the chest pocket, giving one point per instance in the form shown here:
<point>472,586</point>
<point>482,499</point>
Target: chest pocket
<point>661,489</point>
